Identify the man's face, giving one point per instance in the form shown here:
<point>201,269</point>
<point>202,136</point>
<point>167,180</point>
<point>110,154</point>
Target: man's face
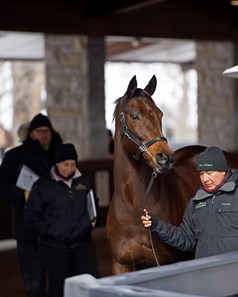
<point>211,179</point>
<point>43,135</point>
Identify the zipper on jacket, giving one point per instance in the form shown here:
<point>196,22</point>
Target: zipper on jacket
<point>71,194</point>
<point>213,197</point>
<point>212,224</point>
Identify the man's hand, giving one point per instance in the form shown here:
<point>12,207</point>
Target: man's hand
<point>149,220</point>
<point>93,222</point>
<point>26,195</point>
<point>146,219</point>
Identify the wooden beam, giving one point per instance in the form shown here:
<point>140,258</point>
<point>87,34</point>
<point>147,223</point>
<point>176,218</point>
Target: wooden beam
<point>197,19</point>
<point>136,6</point>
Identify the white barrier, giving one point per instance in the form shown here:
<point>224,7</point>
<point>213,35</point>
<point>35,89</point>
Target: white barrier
<point>211,276</point>
<point>7,244</point>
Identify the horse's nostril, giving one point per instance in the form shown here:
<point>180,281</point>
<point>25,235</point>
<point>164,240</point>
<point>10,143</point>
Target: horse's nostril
<point>162,159</point>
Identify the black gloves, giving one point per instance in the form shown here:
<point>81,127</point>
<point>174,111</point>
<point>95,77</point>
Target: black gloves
<point>154,221</point>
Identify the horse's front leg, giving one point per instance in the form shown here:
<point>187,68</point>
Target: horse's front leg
<point>118,268</point>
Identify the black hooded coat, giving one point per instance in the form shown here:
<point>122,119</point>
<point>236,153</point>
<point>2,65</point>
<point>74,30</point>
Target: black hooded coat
<point>30,154</point>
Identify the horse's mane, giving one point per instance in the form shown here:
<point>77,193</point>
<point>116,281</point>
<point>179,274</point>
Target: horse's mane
<point>137,93</point>
<point>116,103</point>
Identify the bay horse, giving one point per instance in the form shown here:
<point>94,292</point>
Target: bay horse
<point>147,174</point>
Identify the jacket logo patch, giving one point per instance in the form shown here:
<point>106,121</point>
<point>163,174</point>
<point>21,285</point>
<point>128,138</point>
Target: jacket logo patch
<point>80,187</point>
<point>200,204</point>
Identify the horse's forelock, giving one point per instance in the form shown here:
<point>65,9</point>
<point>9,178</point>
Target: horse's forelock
<point>137,93</point>
<point>141,93</point>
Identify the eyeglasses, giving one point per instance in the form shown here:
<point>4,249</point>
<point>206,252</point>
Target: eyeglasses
<point>41,131</point>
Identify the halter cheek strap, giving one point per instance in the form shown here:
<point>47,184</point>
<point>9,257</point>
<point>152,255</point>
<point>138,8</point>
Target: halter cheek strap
<point>142,147</point>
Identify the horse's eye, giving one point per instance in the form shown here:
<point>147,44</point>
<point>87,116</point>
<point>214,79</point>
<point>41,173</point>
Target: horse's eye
<point>135,117</point>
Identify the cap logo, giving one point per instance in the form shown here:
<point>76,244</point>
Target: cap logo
<point>205,165</point>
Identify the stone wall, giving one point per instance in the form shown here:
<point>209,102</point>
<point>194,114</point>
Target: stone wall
<point>217,104</point>
<point>75,92</point>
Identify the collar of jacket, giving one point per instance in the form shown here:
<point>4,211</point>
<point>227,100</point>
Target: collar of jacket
<point>202,194</point>
<point>32,145</point>
<point>229,186</point>
<point>57,178</point>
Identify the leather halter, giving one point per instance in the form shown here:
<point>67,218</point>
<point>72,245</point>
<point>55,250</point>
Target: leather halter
<point>142,147</point>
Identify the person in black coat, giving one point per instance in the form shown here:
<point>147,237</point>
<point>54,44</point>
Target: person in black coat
<point>37,152</point>
<point>58,210</point>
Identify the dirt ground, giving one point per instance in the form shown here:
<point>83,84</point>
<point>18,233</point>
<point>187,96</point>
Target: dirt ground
<point>10,281</point>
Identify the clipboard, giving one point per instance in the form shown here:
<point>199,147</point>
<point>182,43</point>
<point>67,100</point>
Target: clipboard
<point>26,178</point>
<point>91,205</point>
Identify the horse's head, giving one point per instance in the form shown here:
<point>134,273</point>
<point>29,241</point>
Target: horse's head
<point>140,123</point>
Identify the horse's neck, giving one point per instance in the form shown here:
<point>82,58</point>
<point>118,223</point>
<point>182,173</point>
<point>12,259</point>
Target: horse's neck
<point>128,171</point>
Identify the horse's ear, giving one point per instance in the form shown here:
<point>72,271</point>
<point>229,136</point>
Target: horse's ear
<point>150,88</point>
<point>132,87</point>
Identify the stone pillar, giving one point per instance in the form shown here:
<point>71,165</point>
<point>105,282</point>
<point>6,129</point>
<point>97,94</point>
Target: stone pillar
<point>98,142</point>
<point>75,92</point>
<point>216,95</point>
<point>236,97</point>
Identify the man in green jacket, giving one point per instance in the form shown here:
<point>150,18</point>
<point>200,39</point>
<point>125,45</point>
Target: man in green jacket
<point>210,221</point>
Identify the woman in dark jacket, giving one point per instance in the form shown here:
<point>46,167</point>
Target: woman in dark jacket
<point>57,210</point>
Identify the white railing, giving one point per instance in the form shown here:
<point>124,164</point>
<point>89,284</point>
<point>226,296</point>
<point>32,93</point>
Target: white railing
<point>214,276</point>
<point>7,244</point>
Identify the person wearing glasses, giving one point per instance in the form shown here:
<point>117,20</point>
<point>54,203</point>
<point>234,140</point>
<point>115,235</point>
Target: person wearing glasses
<point>36,154</point>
